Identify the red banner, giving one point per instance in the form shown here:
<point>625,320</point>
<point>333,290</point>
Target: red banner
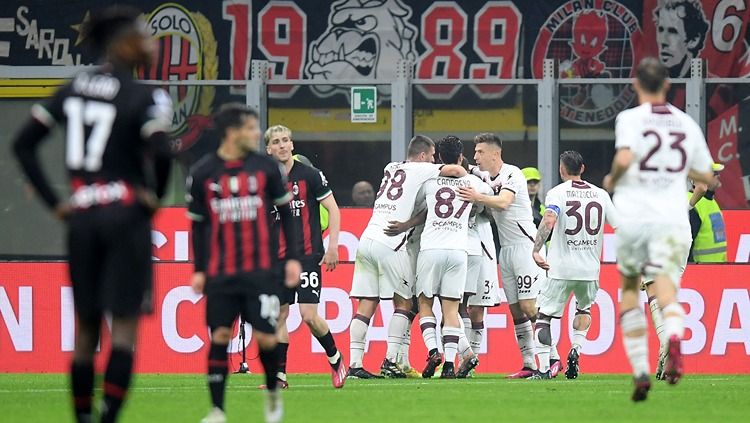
<point>171,235</point>
<point>37,329</point>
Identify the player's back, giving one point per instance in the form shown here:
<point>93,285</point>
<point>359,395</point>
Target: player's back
<point>396,197</point>
<point>576,245</point>
<point>666,143</point>
<point>107,115</point>
<point>516,224</point>
<point>447,223</point>
<point>237,198</point>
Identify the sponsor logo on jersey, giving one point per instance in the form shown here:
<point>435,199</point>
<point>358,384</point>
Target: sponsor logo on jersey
<point>590,40</point>
<point>186,51</point>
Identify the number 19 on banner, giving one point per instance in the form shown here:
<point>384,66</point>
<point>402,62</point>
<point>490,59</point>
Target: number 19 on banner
<point>364,104</point>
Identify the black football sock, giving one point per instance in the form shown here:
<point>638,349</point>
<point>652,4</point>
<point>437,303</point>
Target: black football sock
<point>282,349</point>
<point>270,361</point>
<point>328,344</point>
<point>116,382</point>
<point>217,373</point>
<point>82,389</point>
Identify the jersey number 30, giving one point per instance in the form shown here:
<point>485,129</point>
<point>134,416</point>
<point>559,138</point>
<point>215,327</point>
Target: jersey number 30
<point>95,114</point>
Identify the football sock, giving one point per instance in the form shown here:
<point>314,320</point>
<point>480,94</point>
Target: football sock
<point>450,342</point>
<point>525,338</point>
<point>403,353</point>
<point>579,337</point>
<point>270,361</point>
<point>658,318</point>
<point>466,326</point>
<point>635,340</point>
<point>116,383</point>
<point>328,344</point>
<point>464,348</point>
<point>475,336</point>
<point>82,388</point>
<point>543,338</point>
<point>217,373</point>
<point>674,320</point>
<point>428,326</point>
<point>281,350</point>
<point>396,329</point>
<point>357,334</point>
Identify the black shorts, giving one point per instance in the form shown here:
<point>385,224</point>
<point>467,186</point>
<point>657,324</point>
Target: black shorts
<point>311,283</point>
<point>254,296</point>
<point>109,255</point>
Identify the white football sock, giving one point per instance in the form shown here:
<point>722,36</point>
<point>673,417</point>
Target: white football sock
<point>525,338</point>
<point>542,349</point>
<point>357,334</point>
<point>396,329</point>
<point>428,325</point>
<point>403,353</point>
<point>475,336</point>
<point>658,318</point>
<point>636,347</point>
<point>451,338</point>
<point>579,337</point>
<point>674,320</point>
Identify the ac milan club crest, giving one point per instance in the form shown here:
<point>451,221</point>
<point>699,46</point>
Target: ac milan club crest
<point>590,39</point>
<point>186,51</point>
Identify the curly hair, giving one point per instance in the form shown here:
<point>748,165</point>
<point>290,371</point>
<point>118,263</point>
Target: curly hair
<point>693,18</point>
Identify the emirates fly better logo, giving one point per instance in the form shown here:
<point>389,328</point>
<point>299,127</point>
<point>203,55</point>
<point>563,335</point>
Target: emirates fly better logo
<point>590,39</point>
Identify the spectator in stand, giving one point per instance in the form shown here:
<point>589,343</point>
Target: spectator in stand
<point>363,194</point>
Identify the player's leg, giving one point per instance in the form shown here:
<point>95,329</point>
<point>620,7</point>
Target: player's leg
<point>428,325</point>
<point>402,359</point>
<point>552,301</point>
<point>451,334</point>
<point>657,318</point>
<point>282,336</point>
<point>366,290</point>
<point>261,308</point>
<point>513,284</point>
<point>585,294</point>
<point>396,330</point>
<point>222,309</point>
<point>320,330</point>
<point>127,280</point>
<point>85,272</point>
<point>308,295</point>
<point>476,334</point>
<point>397,277</point>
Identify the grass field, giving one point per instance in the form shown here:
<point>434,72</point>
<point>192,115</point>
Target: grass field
<point>592,398</point>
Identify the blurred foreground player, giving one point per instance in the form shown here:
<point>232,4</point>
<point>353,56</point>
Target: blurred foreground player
<point>310,194</point>
<point>231,199</point>
<point>658,147</point>
<point>114,129</point>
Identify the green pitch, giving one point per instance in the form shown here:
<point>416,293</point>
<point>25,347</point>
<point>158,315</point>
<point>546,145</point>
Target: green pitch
<point>592,398</point>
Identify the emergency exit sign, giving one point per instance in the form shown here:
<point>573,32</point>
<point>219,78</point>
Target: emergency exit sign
<point>364,104</point>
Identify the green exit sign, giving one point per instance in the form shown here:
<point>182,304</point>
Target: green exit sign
<point>364,104</point>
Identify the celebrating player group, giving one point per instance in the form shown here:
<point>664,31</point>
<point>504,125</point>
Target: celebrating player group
<point>438,234</point>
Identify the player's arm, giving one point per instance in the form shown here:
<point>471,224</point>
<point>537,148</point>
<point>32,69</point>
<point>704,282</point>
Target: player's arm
<point>331,257</point>
<point>542,234</point>
<point>277,191</point>
<point>453,171</point>
<point>25,146</point>
<point>620,164</point>
<point>501,201</point>
<point>395,227</point>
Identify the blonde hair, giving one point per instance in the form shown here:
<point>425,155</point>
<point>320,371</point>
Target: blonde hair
<point>274,129</point>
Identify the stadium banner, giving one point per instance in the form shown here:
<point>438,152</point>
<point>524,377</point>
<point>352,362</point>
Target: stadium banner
<point>38,327</point>
<point>171,235</point>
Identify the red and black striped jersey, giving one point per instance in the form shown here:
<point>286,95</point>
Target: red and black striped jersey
<point>237,199</point>
<point>308,186</point>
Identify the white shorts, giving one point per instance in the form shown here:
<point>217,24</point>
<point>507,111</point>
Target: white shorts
<point>522,278</point>
<point>487,289</point>
<point>412,250</point>
<point>473,274</point>
<point>379,272</point>
<point>441,273</point>
<point>652,249</point>
<point>554,296</point>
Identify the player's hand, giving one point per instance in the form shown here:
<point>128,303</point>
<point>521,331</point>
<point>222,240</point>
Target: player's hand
<point>62,211</point>
<point>330,259</point>
<point>468,194</point>
<point>292,270</point>
<point>607,184</point>
<point>198,282</point>
<point>148,200</point>
<point>395,227</point>
<point>539,260</point>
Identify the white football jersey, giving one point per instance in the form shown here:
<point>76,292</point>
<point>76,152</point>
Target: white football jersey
<point>447,225</point>
<point>475,237</point>
<point>576,246</point>
<point>396,197</point>
<point>516,224</point>
<point>416,232</point>
<point>487,241</point>
<point>666,144</point>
